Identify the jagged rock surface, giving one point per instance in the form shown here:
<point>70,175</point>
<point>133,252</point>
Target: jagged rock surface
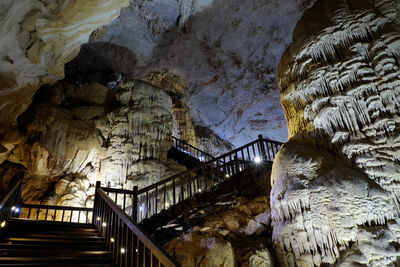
<point>37,38</point>
<point>226,52</point>
<point>335,189</point>
<point>77,135</point>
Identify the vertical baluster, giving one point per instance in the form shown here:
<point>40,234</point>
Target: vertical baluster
<point>165,195</point>
<point>147,201</point>
<point>62,216</point>
<point>135,203</point>
<point>124,203</point>
<point>55,214</point>
<point>174,191</point>
<point>155,200</point>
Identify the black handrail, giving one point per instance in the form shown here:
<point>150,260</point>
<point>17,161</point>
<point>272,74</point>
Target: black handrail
<point>191,150</point>
<point>130,245</point>
<point>145,202</point>
<point>54,213</point>
<point>8,204</point>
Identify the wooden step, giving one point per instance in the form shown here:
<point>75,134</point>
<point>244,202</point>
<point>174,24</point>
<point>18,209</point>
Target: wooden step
<point>47,260</point>
<point>23,252</point>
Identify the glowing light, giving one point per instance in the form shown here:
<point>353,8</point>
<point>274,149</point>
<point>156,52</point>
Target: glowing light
<point>227,175</point>
<point>257,159</point>
<point>240,169</point>
<point>200,190</point>
<point>3,224</point>
<point>136,250</point>
<point>112,240</point>
<point>12,208</point>
<point>16,210</point>
<point>166,205</point>
<point>140,208</point>
<point>122,250</point>
<point>98,219</point>
<point>104,224</point>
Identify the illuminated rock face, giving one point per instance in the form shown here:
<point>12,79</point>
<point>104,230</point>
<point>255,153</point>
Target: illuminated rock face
<point>37,38</point>
<point>77,135</point>
<point>336,183</point>
<point>140,134</point>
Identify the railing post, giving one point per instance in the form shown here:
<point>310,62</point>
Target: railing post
<point>95,202</point>
<point>134,203</point>
<point>263,154</point>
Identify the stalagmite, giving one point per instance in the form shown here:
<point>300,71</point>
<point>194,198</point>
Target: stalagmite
<point>336,182</point>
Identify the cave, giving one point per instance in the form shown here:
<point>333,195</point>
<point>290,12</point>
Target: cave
<point>200,133</point>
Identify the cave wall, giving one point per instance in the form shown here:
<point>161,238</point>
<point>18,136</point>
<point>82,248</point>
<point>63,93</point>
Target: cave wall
<point>76,135</point>
<point>335,183</point>
<point>225,52</point>
<point>37,38</point>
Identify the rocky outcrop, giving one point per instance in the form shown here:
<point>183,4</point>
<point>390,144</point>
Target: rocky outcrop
<point>232,233</point>
<point>230,83</point>
<point>139,134</point>
<point>335,189</point>
<point>37,38</point>
<point>77,135</point>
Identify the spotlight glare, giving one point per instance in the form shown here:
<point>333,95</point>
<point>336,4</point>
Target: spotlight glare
<point>122,250</point>
<point>3,224</point>
<point>112,239</point>
<point>257,159</point>
<point>104,224</point>
<point>98,219</point>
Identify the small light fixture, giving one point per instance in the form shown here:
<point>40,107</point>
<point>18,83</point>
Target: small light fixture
<point>166,205</point>
<point>3,224</point>
<point>227,175</point>
<point>199,189</point>
<point>140,208</point>
<point>257,159</point>
<point>136,250</point>
<point>240,169</point>
<point>98,219</point>
<point>122,251</point>
<point>112,240</point>
<point>13,208</point>
<point>104,224</point>
<point>17,210</point>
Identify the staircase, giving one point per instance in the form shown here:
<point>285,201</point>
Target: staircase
<point>43,243</point>
<point>109,234</point>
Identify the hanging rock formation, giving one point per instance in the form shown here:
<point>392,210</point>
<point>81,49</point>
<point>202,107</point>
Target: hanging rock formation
<point>77,135</point>
<point>37,38</point>
<point>336,183</point>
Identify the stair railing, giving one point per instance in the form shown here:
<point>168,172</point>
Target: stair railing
<point>148,201</point>
<point>191,150</point>
<point>8,204</point>
<point>129,244</point>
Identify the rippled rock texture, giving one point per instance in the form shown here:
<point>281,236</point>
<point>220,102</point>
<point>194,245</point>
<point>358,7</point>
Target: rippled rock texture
<point>37,38</point>
<point>77,135</point>
<point>224,53</point>
<point>336,183</point>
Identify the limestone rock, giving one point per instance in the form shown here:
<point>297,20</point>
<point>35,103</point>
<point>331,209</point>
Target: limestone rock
<point>195,250</point>
<point>335,195</point>
<point>261,258</point>
<point>38,37</point>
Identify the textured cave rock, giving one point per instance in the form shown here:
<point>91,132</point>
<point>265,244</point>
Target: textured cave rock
<point>335,191</point>
<point>226,52</point>
<point>139,133</point>
<point>77,135</point>
<point>37,38</point>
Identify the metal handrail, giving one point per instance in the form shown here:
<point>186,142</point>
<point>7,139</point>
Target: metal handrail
<point>130,245</point>
<point>8,203</point>
<point>55,213</point>
<point>145,202</point>
<point>191,150</point>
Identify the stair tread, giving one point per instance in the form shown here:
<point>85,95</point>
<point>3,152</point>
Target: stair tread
<point>50,236</point>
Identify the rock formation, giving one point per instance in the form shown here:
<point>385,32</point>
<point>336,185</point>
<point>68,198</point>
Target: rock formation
<point>226,53</point>
<point>37,38</point>
<point>335,184</point>
<point>77,135</point>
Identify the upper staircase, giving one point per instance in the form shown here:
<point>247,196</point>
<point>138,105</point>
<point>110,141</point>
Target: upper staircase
<point>109,234</point>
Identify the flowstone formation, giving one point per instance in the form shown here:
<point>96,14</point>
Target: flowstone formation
<point>77,135</point>
<point>336,183</point>
<point>37,39</point>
